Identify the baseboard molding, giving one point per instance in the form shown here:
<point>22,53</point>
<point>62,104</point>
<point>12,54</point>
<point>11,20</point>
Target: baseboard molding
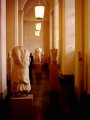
<point>0,97</point>
<point>85,96</point>
<point>82,97</point>
<point>66,79</point>
<point>3,95</point>
<point>63,76</point>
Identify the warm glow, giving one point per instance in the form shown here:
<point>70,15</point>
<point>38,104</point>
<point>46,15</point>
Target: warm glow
<point>37,33</point>
<point>38,26</point>
<point>39,11</point>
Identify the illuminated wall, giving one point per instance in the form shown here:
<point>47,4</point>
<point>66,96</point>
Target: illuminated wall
<point>31,42</point>
<point>68,36</point>
<point>11,24</point>
<point>3,82</point>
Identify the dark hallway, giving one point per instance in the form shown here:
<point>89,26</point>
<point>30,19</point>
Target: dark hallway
<point>47,105</point>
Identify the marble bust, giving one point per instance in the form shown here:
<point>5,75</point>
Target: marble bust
<point>53,55</point>
<point>20,73</point>
<point>38,53</point>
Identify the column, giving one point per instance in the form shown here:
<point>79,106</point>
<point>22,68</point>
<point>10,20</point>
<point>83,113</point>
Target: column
<point>78,42</point>
<point>3,82</point>
<point>88,81</point>
<point>56,26</point>
<point>20,27</point>
<point>50,31</point>
<point>11,24</point>
<point>68,36</point>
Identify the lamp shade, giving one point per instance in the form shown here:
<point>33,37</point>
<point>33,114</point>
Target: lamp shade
<point>37,33</point>
<point>38,26</point>
<point>39,12</point>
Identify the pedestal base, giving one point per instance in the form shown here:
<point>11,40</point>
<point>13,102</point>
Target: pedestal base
<point>54,77</point>
<point>38,67</point>
<point>22,108</point>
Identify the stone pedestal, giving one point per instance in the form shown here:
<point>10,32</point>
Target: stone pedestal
<point>38,70</point>
<point>38,67</point>
<point>54,77</point>
<point>21,108</point>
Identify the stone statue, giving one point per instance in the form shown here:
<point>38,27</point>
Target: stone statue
<point>38,53</point>
<point>53,54</point>
<point>20,74</point>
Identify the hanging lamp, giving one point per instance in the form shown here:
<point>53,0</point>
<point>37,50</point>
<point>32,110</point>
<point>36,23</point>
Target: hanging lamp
<point>38,26</point>
<point>37,33</point>
<point>39,10</point>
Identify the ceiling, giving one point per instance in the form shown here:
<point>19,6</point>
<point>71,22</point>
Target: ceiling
<point>28,7</point>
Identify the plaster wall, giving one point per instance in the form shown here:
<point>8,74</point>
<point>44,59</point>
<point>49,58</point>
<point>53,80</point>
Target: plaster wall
<point>31,42</point>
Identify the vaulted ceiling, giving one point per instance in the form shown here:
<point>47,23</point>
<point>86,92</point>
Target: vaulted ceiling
<point>28,7</point>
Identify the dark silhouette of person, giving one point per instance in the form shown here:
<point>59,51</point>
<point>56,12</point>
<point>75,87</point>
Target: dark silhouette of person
<point>31,66</point>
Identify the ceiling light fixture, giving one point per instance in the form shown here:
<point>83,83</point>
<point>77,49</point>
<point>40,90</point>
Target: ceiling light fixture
<point>39,10</point>
<point>37,33</point>
<point>38,26</point>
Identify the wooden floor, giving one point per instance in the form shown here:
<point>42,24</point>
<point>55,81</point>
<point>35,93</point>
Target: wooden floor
<point>48,105</point>
<point>53,105</point>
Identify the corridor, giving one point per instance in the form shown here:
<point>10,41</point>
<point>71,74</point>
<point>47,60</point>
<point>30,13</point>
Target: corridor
<point>47,105</point>
<point>52,105</point>
<point>65,27</point>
